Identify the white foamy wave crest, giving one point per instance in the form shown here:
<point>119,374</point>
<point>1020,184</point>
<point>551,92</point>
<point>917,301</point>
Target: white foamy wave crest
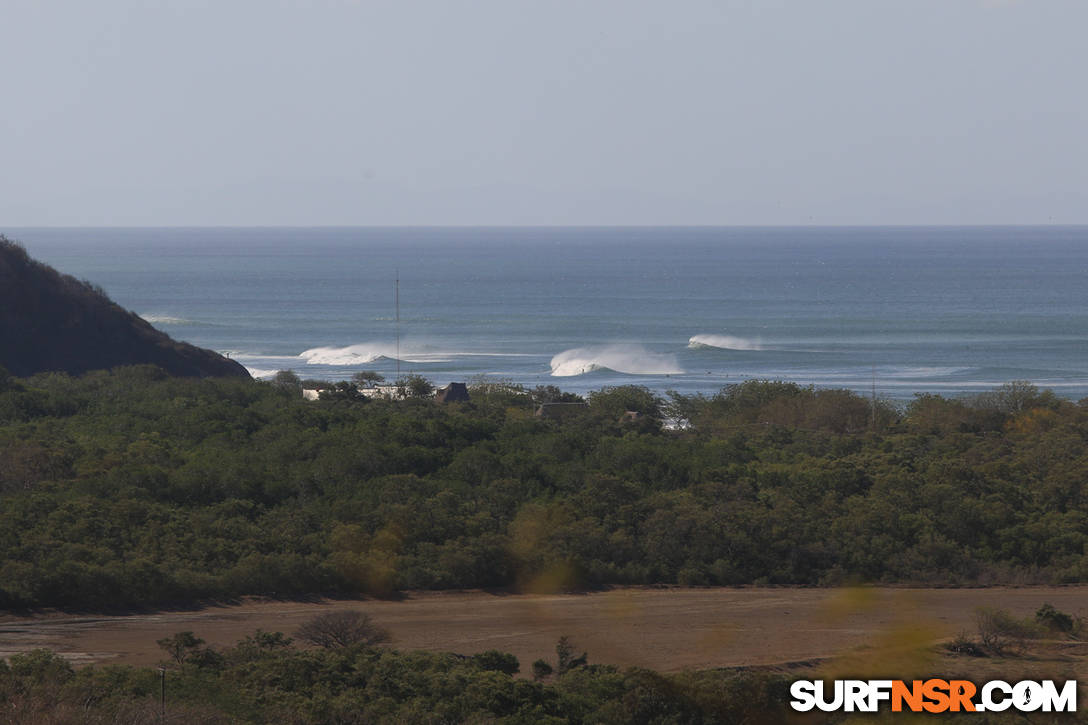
<point>261,374</point>
<point>630,359</point>
<point>367,352</point>
<point>243,356</point>
<point>166,320</point>
<point>723,342</point>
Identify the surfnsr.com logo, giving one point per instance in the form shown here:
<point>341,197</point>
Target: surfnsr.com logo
<point>933,696</point>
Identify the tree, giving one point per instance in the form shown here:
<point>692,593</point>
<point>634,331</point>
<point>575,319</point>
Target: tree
<point>754,394</point>
<point>181,646</point>
<point>342,629</point>
<point>257,645</point>
<point>502,392</point>
<point>368,378</point>
<point>617,400</point>
<point>541,670</point>
<point>342,391</point>
<point>551,394</point>
<point>264,641</point>
<point>287,379</point>
<point>564,652</point>
<point>414,386</point>
<point>40,666</point>
<point>1011,398</point>
<point>497,661</point>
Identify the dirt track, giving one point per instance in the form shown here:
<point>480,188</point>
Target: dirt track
<point>663,629</point>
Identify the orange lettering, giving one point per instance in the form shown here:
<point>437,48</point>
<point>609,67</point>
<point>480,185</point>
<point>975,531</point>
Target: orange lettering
<point>961,692</point>
<point>912,696</point>
<point>937,692</point>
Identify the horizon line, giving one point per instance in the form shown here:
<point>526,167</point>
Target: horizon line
<point>551,226</point>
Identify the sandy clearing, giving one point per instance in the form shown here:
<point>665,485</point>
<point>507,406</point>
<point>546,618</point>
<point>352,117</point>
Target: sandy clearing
<point>663,629</point>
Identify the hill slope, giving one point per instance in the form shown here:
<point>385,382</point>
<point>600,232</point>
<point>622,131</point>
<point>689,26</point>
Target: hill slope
<point>52,321</point>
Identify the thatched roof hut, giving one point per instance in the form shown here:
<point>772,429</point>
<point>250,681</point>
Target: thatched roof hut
<point>452,393</point>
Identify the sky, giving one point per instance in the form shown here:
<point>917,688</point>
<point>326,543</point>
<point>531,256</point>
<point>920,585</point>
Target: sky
<point>543,112</point>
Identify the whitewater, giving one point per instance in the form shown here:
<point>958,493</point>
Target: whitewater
<point>909,310</point>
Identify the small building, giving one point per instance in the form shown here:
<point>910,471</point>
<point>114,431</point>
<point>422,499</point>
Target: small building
<point>379,392</point>
<point>452,393</point>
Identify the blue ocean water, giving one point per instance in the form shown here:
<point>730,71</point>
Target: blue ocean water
<point>945,310</point>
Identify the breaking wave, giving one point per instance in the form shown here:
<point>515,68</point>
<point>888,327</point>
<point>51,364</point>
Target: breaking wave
<point>630,359</point>
<point>252,356</point>
<point>166,320</point>
<point>367,352</point>
<point>723,342</point>
<point>261,373</point>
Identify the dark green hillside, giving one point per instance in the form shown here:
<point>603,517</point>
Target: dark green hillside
<point>52,321</point>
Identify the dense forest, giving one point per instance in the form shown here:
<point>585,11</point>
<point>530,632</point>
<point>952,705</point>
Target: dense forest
<point>132,488</point>
<point>264,679</point>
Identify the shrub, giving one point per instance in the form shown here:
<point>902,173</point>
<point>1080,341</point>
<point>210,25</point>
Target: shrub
<point>541,670</point>
<point>1055,621</point>
<point>497,661</point>
<point>1001,633</point>
<point>40,666</point>
<point>964,645</point>
<point>342,629</point>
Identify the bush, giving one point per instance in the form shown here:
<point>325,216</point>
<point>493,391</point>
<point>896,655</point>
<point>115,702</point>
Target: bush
<point>1001,633</point>
<point>964,645</point>
<point>1055,621</point>
<point>541,670</point>
<point>40,666</point>
<point>497,661</point>
<point>342,629</point>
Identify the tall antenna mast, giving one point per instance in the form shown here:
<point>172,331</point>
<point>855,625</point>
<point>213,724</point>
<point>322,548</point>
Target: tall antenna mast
<point>396,303</point>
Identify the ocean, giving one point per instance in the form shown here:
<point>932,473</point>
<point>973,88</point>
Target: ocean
<point>948,310</point>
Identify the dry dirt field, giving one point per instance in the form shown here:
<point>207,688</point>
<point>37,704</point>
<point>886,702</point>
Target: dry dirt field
<point>663,629</point>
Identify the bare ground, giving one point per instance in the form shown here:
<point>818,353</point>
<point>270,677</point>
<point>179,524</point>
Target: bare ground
<point>663,629</point>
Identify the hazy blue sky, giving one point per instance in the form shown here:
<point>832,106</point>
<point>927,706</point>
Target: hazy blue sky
<point>547,112</point>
